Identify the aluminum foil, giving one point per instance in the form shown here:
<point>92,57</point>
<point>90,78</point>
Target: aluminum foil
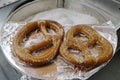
<point>59,69</point>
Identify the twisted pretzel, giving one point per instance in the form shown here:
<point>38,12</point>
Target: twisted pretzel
<point>52,33</point>
<point>85,47</point>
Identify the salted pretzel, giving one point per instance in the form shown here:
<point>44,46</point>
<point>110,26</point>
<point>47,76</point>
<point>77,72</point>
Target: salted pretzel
<point>52,33</point>
<point>84,47</point>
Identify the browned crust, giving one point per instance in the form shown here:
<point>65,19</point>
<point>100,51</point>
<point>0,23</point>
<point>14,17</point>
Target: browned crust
<point>86,59</point>
<point>47,55</point>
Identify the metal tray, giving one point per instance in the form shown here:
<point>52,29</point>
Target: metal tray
<point>20,14</point>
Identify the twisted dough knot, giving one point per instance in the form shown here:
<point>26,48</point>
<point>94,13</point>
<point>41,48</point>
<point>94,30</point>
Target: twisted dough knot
<point>85,47</point>
<point>52,33</point>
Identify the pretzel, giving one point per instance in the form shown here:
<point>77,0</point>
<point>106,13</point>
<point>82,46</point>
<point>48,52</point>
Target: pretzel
<point>84,47</point>
<point>52,33</point>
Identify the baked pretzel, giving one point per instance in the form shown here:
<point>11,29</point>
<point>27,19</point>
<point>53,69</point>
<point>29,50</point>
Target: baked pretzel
<point>53,34</point>
<point>85,47</point>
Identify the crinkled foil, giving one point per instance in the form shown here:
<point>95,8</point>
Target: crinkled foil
<point>59,69</point>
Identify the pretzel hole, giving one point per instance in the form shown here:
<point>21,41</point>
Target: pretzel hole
<point>95,49</point>
<point>32,32</point>
<point>74,51</point>
<point>51,30</point>
<point>40,50</point>
<point>33,37</point>
<point>80,36</point>
<point>96,44</point>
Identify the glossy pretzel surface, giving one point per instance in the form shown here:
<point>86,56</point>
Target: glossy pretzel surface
<point>85,47</point>
<point>53,34</point>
